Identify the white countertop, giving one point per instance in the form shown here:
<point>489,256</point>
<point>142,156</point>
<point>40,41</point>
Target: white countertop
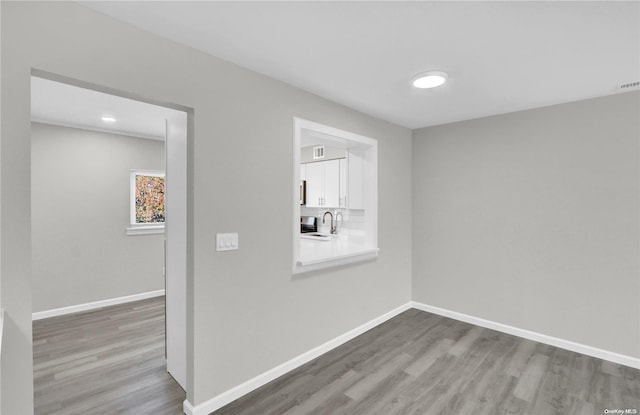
<point>339,247</point>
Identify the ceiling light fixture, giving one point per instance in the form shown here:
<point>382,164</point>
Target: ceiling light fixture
<point>108,119</point>
<point>430,79</point>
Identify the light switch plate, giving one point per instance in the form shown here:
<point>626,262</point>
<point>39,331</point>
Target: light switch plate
<point>226,241</point>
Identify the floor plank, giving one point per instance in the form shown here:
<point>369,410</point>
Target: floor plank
<point>105,361</point>
<point>111,361</point>
<point>422,364</point>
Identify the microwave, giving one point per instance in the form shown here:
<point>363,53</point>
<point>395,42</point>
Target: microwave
<point>308,224</point>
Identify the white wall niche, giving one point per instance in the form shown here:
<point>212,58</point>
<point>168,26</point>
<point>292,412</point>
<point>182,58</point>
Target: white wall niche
<point>348,245</point>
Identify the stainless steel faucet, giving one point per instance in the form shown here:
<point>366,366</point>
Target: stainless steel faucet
<point>336,214</point>
<point>333,227</point>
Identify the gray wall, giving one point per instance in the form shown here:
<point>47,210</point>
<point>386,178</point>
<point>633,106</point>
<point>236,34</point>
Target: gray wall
<point>79,214</point>
<point>531,219</point>
<point>239,298</point>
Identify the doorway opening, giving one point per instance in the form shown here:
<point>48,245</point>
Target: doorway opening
<point>86,251</point>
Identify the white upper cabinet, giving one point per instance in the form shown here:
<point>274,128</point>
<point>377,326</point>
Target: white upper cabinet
<point>331,183</point>
<point>355,181</point>
<point>315,187</point>
<point>335,183</point>
<point>344,166</point>
<point>323,184</point>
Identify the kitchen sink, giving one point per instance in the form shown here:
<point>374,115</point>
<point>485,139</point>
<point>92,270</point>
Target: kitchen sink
<point>317,236</point>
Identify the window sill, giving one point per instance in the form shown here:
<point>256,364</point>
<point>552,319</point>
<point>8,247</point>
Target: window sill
<point>145,230</point>
<point>337,260</point>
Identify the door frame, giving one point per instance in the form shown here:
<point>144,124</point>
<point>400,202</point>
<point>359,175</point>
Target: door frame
<point>179,236</point>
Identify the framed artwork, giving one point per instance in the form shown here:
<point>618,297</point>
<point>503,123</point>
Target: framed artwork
<point>147,198</point>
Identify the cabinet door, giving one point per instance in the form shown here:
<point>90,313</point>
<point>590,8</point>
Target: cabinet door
<point>355,195</point>
<point>344,165</point>
<point>314,184</point>
<point>331,183</point>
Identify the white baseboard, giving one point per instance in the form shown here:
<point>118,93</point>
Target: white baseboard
<point>530,335</point>
<point>232,394</point>
<point>187,408</point>
<point>96,304</point>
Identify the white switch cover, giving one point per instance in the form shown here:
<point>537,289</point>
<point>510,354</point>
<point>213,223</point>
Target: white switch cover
<point>226,241</point>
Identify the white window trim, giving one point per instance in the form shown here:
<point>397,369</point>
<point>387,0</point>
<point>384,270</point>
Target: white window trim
<point>141,228</point>
<point>371,250</point>
<point>145,230</point>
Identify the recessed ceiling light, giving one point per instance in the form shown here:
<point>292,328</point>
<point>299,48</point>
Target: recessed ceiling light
<point>430,79</point>
<point>108,119</point>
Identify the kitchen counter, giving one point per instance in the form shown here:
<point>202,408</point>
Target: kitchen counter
<point>340,249</point>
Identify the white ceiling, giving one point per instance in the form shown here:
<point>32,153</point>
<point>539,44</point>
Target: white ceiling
<point>500,56</point>
<point>67,105</point>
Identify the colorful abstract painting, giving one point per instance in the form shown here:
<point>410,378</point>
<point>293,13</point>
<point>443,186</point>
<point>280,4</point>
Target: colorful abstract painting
<point>149,199</point>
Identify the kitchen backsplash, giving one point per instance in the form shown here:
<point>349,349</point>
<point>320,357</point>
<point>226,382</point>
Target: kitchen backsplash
<point>352,219</point>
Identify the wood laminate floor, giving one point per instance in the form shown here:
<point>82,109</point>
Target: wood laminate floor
<point>106,361</point>
<point>422,364</point>
<point>111,361</point>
